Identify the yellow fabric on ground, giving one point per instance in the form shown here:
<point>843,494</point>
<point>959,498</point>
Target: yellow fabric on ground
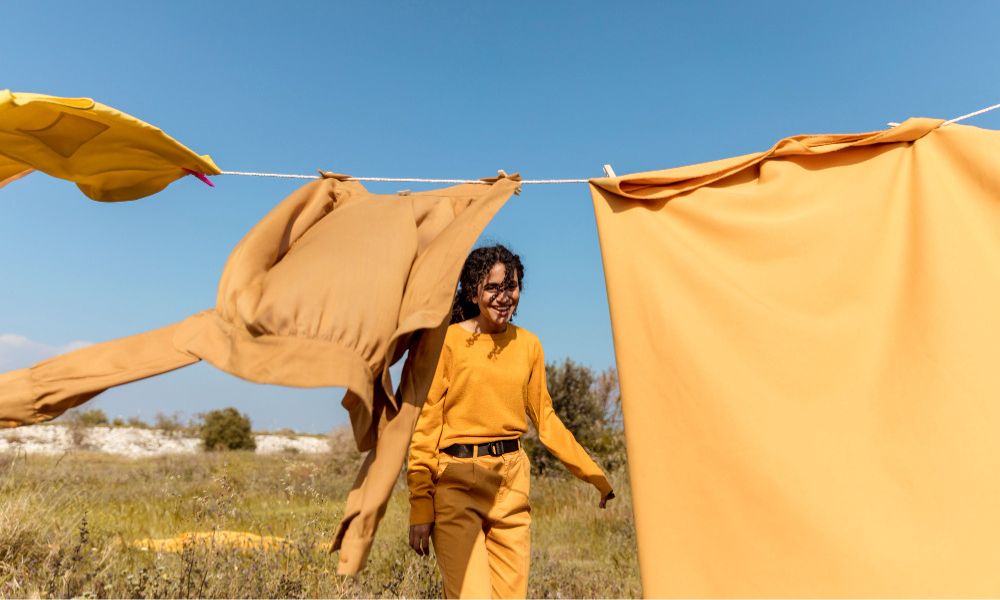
<point>330,288</point>
<point>242,540</point>
<point>229,539</point>
<point>807,341</point>
<point>110,155</point>
<point>484,389</point>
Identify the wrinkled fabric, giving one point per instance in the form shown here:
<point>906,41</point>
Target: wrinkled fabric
<point>330,288</point>
<point>110,155</point>
<point>807,342</point>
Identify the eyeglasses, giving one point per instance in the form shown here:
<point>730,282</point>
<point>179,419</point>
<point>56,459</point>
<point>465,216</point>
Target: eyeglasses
<point>495,288</point>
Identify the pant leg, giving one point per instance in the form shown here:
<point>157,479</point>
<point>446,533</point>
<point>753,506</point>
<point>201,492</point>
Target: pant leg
<point>508,531</point>
<point>461,502</point>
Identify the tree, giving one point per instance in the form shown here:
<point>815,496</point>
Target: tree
<point>590,407</point>
<point>226,429</point>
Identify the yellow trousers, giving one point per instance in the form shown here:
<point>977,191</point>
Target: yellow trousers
<point>482,525</point>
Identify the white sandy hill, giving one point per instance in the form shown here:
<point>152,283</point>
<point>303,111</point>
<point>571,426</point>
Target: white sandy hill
<point>135,442</point>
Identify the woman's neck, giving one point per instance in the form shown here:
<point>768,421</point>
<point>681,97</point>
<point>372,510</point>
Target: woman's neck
<point>481,325</point>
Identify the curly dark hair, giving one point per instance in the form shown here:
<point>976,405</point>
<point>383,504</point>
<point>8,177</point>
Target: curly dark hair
<point>477,268</point>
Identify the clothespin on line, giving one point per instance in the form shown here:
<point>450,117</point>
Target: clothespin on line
<point>609,172</point>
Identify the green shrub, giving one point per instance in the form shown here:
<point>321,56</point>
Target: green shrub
<point>171,424</point>
<point>226,429</point>
<point>137,423</point>
<point>90,418</point>
<point>590,407</point>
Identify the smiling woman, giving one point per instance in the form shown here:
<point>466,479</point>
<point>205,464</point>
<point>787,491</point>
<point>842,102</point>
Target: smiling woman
<point>468,474</point>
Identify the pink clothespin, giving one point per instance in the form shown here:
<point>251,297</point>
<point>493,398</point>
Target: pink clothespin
<point>200,176</point>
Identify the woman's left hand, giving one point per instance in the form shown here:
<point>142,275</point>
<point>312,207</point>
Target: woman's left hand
<point>604,501</point>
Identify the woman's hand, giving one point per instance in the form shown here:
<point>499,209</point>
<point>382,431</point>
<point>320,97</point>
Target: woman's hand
<point>604,502</point>
<point>420,537</point>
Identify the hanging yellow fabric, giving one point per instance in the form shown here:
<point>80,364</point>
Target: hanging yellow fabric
<point>110,155</point>
<point>807,341</point>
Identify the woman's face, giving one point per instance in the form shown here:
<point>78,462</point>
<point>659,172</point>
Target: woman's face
<point>497,300</point>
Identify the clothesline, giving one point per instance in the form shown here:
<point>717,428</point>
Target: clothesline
<point>607,168</point>
<point>961,118</point>
<point>395,179</point>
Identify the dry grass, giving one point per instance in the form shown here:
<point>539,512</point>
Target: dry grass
<point>66,524</point>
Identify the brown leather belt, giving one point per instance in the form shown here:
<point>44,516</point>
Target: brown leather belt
<point>496,448</point>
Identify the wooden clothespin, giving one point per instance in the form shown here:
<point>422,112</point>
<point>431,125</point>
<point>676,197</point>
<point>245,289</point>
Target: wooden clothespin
<point>609,172</point>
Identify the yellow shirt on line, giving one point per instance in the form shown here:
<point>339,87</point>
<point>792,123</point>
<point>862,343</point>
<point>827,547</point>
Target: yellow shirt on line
<point>485,388</point>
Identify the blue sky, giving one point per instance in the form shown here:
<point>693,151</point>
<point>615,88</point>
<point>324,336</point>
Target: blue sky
<point>442,89</point>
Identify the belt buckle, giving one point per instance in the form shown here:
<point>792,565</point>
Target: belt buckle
<point>495,448</point>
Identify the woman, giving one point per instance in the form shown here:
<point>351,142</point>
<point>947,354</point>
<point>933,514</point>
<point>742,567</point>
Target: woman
<point>468,475</point>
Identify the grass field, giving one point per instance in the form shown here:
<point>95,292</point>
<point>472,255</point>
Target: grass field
<point>67,527</point>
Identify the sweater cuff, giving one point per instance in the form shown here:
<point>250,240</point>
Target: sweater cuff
<point>421,510</point>
<point>601,483</point>
<point>17,400</point>
<point>353,555</point>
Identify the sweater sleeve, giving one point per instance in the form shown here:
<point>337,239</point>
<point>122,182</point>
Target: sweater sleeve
<point>553,433</point>
<point>424,445</point>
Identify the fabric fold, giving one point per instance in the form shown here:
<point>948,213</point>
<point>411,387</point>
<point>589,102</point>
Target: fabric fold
<point>663,185</point>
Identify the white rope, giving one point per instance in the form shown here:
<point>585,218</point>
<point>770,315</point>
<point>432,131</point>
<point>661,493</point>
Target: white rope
<point>972,114</point>
<point>280,175</point>
<point>957,119</point>
<point>395,179</point>
<point>607,168</point>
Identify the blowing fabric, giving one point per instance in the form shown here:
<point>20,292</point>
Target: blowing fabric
<point>807,342</point>
<point>330,288</point>
<point>110,155</point>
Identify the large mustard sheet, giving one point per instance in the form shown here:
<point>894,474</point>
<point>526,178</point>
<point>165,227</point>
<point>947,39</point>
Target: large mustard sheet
<point>808,342</point>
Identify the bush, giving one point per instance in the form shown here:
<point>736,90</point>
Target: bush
<point>170,424</point>
<point>90,418</point>
<point>137,423</point>
<point>226,429</point>
<point>344,458</point>
<point>589,405</point>
<point>78,424</point>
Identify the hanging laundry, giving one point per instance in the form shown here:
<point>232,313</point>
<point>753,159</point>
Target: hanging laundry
<point>110,155</point>
<point>807,341</point>
<point>330,288</point>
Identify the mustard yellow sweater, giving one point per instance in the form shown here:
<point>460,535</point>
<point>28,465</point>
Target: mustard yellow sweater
<point>485,388</point>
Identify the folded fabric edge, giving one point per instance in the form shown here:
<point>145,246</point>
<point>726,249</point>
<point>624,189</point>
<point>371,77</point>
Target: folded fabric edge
<point>668,183</point>
<point>16,176</point>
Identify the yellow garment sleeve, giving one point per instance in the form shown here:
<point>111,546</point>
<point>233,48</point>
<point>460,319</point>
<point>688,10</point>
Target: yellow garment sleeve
<point>553,433</point>
<point>424,445</point>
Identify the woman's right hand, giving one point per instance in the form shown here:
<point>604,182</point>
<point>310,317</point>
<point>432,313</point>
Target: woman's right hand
<point>420,538</point>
